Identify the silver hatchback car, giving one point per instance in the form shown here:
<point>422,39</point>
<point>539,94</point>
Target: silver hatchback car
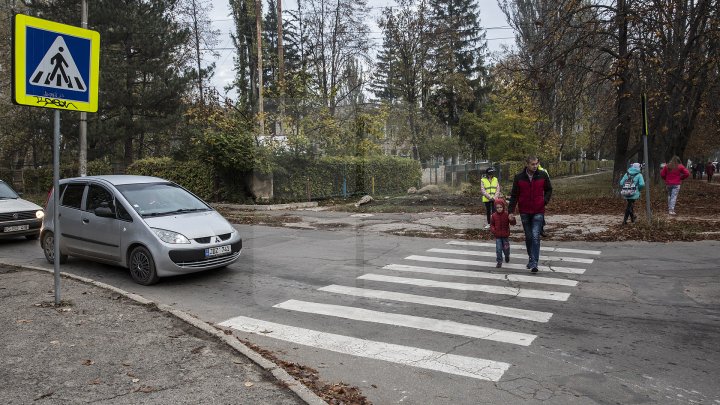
<point>152,226</point>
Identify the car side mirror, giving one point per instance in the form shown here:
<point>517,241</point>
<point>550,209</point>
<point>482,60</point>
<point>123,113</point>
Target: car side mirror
<point>105,211</point>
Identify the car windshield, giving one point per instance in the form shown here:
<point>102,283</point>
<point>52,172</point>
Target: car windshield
<point>156,199</point>
<point>6,192</point>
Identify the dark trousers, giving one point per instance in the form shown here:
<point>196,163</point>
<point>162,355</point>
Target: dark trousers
<point>489,209</point>
<point>710,178</point>
<point>629,211</point>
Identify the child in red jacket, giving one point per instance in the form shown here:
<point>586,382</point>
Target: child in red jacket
<point>500,228</point>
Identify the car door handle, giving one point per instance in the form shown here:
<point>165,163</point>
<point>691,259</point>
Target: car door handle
<point>86,221</point>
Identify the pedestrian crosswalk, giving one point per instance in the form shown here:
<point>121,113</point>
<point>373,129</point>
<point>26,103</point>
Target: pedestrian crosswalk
<point>449,270</point>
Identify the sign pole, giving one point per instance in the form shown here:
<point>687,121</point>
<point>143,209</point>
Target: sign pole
<point>645,157</point>
<point>83,115</point>
<point>56,205</point>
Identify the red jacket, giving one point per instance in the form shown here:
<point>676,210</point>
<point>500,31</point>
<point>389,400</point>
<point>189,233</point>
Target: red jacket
<point>500,224</point>
<point>530,196</point>
<point>709,169</point>
<point>674,177</point>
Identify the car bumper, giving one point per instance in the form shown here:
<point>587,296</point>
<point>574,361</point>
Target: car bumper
<point>10,228</point>
<point>192,259</point>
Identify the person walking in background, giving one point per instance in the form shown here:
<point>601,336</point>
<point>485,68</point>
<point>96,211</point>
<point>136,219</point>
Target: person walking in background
<point>531,192</point>
<point>673,175</point>
<point>632,182</point>
<point>500,227</point>
<point>490,190</point>
<point>710,170</point>
<point>701,170</point>
<point>694,169</point>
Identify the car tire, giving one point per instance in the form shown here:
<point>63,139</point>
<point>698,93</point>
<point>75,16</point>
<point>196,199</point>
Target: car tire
<point>34,236</point>
<point>48,247</point>
<point>142,266</point>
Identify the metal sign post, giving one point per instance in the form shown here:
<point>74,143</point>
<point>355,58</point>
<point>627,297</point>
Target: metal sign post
<point>56,205</point>
<point>645,157</point>
<point>55,66</point>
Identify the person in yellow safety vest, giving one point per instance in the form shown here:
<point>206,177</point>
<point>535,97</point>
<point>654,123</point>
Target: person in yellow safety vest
<point>490,190</point>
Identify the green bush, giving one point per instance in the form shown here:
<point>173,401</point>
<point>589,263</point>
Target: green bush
<point>299,178</point>
<point>194,176</point>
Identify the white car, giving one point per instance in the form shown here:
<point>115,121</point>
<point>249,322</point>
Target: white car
<point>152,226</point>
<point>18,217</point>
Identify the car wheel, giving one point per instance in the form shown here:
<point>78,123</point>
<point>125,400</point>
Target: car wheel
<point>142,266</point>
<point>48,246</point>
<point>34,236</point>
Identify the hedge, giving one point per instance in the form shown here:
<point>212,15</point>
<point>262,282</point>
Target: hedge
<point>298,178</point>
<point>193,175</point>
<point>33,181</point>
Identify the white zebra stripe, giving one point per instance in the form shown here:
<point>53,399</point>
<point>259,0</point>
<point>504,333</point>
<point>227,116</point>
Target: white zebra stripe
<point>556,269</point>
<point>544,248</point>
<point>492,254</point>
<point>472,367</point>
<point>526,314</point>
<point>409,321</point>
<point>492,289</point>
<point>477,274</point>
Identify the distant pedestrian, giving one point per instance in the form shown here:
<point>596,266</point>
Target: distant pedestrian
<point>710,170</point>
<point>531,192</point>
<point>500,228</point>
<point>701,170</point>
<point>694,169</point>
<point>632,182</point>
<point>490,190</point>
<point>673,175</point>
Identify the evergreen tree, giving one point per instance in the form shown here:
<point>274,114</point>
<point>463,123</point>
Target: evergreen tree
<point>457,58</point>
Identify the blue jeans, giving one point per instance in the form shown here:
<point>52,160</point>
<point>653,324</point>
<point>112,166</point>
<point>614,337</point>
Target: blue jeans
<point>532,225</point>
<point>502,245</point>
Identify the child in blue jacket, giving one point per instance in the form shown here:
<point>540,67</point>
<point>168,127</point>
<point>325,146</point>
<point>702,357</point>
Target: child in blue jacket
<point>637,178</point>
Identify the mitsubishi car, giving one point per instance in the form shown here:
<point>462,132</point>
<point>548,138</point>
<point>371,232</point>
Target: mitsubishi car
<point>151,226</point>
<point>18,217</point>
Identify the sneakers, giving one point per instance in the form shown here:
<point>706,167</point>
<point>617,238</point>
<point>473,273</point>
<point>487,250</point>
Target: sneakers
<point>534,270</point>
<point>499,264</point>
<point>487,226</point>
<point>672,213</point>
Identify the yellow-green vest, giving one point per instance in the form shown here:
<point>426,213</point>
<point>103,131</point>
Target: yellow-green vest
<point>490,187</point>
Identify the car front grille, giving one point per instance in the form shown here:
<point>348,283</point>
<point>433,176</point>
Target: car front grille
<point>15,216</point>
<point>207,239</point>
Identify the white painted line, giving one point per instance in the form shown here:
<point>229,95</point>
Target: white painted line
<point>492,289</point>
<point>477,274</point>
<point>526,314</point>
<point>556,269</point>
<point>409,321</point>
<point>492,254</point>
<point>411,356</point>
<point>545,248</point>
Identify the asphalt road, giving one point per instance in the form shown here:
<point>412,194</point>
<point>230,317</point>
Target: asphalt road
<point>639,324</point>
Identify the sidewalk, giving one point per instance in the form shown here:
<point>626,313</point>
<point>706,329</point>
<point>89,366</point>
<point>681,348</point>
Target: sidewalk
<point>100,346</point>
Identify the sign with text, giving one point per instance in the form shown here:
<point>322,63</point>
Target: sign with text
<point>55,65</point>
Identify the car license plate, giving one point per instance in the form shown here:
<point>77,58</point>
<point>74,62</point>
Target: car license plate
<point>16,228</point>
<point>217,251</point>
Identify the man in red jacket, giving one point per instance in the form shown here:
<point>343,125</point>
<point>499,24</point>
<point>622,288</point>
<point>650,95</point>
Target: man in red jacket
<point>710,170</point>
<point>531,192</point>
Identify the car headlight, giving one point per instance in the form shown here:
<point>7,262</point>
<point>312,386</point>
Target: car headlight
<point>39,214</point>
<point>170,236</point>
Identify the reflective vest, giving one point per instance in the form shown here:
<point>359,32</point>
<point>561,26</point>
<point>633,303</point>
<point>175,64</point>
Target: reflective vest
<point>490,187</point>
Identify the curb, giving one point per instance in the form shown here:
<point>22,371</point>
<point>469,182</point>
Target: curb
<point>273,207</point>
<point>294,385</point>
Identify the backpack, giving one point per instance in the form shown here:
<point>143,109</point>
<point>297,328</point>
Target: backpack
<point>629,188</point>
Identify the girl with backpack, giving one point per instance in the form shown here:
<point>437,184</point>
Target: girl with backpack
<point>632,183</point>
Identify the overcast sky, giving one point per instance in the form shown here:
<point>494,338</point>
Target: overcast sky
<point>490,17</point>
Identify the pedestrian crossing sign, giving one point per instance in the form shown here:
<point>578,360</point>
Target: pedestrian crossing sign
<point>55,65</point>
